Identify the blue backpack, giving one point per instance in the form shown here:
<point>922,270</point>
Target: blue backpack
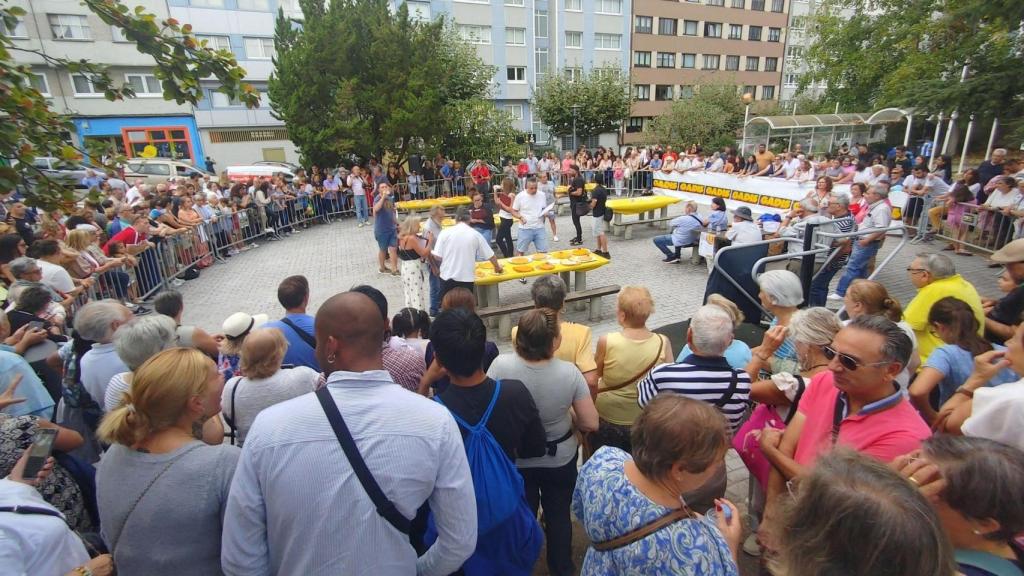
<point>496,481</point>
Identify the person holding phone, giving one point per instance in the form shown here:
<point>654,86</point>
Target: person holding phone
<point>385,230</point>
<point>578,205</point>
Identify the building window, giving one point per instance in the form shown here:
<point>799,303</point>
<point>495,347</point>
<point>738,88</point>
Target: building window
<point>667,26</point>
<point>258,48</point>
<point>573,74</point>
<point>663,92</point>
<point>715,2</point>
<point>752,90</point>
<point>689,60</point>
<point>516,73</point>
<point>170,142</point>
<point>221,100</point>
<point>515,36</point>
<point>774,34</point>
<point>144,84</point>
<point>419,11</point>
<point>516,110</point>
<point>540,132</point>
<point>261,5</point>
<point>753,63</point>
<point>117,35</point>
<point>573,39</point>
<point>690,27</point>
<point>778,5</point>
<point>711,61</point>
<point>69,27</point>
<point>608,6</point>
<point>795,52</point>
<point>666,59</point>
<point>18,31</point>
<point>767,92</point>
<point>754,33</point>
<point>216,42</point>
<point>38,81</point>
<point>798,23</point>
<point>732,62</point>
<point>574,5</point>
<point>757,5</point>
<point>643,24</point>
<point>84,86</point>
<point>207,3</point>
<point>514,3</point>
<point>685,92</point>
<point>607,41</point>
<point>771,64</point>
<point>642,59</point>
<point>791,80</point>
<point>635,124</point>
<point>712,29</point>
<point>475,34</point>
<point>540,59</point>
<point>741,4</point>
<point>540,24</point>
<point>642,92</point>
<point>735,31</point>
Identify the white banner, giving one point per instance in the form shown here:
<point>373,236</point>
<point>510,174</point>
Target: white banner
<point>760,194</point>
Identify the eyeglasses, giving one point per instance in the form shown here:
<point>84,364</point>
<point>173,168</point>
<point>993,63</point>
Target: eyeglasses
<point>793,487</point>
<point>916,270</point>
<point>848,362</point>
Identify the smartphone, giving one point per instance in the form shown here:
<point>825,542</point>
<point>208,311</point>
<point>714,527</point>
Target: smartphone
<point>36,324</point>
<point>40,450</point>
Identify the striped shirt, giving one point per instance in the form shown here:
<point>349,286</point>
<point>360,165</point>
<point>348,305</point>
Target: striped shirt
<point>703,378</point>
<point>296,507</point>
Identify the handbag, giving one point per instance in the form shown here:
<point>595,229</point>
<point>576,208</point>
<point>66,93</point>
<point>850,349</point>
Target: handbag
<point>645,530</point>
<point>745,440</point>
<point>581,208</point>
<point>661,350</point>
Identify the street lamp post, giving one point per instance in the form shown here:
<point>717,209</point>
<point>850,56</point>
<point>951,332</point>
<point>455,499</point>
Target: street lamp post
<point>575,109</point>
<point>747,99</point>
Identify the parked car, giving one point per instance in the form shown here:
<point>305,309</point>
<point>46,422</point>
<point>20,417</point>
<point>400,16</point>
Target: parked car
<point>293,168</point>
<point>68,173</point>
<point>243,173</point>
<point>158,170</point>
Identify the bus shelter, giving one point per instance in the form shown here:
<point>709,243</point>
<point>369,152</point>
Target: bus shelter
<point>821,133</point>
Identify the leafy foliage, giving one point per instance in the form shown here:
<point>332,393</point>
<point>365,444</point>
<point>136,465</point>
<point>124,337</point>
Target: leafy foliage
<point>479,130</point>
<point>912,53</point>
<point>601,99</point>
<point>392,91</point>
<point>712,119</point>
<point>32,129</point>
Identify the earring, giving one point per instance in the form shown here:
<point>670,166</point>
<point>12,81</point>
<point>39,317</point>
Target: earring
<point>331,358</point>
<point>976,532</point>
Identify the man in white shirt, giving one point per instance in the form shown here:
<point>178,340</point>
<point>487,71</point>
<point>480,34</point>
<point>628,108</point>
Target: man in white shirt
<point>296,504</point>
<point>531,209</point>
<point>865,247</point>
<point>134,194</point>
<point>790,165</point>
<point>459,248</point>
<point>48,255</point>
<point>743,229</point>
<point>921,187</point>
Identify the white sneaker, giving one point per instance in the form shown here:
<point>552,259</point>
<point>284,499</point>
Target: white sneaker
<point>835,297</point>
<point>555,238</point>
<point>177,282</point>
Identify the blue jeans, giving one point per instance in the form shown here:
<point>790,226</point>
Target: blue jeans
<point>362,212</point>
<point>819,285</point>
<point>487,234</point>
<point>435,294</point>
<point>539,237</point>
<point>664,243</point>
<point>857,267</point>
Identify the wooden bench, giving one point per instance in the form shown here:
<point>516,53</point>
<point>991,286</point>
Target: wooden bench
<point>504,313</point>
<point>625,229</point>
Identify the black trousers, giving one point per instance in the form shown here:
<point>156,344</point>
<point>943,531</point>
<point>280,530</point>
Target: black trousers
<point>553,488</point>
<point>504,238</point>
<point>576,221</point>
<point>447,285</point>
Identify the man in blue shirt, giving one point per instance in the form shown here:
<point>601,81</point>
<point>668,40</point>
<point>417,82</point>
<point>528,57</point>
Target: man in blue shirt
<point>16,371</point>
<point>297,326</point>
<point>685,232</point>
<point>91,179</point>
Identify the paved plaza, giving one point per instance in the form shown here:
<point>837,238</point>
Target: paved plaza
<point>338,256</point>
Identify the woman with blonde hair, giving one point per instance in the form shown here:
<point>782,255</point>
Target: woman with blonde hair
<point>623,358</point>
<point>162,491</point>
<point>263,381</point>
<point>89,262</point>
<point>870,298</point>
<point>412,255</point>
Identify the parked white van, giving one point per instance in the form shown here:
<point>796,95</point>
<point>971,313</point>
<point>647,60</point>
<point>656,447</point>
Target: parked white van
<point>243,173</point>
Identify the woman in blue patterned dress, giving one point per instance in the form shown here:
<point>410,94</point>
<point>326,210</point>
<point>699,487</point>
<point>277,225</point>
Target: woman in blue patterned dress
<point>634,508</point>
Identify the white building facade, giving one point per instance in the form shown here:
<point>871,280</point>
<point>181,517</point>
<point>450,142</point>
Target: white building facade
<point>797,42</point>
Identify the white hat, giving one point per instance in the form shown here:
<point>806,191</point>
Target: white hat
<point>85,226</point>
<point>239,324</point>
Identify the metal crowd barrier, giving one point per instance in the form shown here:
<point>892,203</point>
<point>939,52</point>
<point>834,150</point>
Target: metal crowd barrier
<point>968,225</point>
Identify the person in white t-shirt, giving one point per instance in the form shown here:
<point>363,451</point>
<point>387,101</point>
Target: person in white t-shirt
<point>531,209</point>
<point>48,256</point>
<point>357,184</point>
<point>743,229</point>
<point>459,248</point>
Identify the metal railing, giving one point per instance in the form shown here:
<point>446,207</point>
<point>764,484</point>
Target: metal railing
<point>966,225</point>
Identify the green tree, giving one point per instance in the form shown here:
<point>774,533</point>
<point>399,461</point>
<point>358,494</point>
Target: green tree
<point>912,53</point>
<point>712,119</point>
<point>390,93</point>
<point>31,129</point>
<point>479,130</point>
<point>596,103</point>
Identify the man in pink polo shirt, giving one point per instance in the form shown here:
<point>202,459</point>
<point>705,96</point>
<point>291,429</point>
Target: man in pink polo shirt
<point>856,403</point>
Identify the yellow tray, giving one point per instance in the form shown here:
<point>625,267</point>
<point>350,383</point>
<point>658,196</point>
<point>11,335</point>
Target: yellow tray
<point>422,205</point>
<point>557,266</point>
<point>641,204</point>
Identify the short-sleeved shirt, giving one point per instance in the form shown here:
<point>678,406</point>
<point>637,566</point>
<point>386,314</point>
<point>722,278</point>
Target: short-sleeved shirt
<point>554,385</point>
<point>1007,311</point>
<point>459,247</point>
<point>515,422</point>
<point>882,434</point>
<point>956,364</point>
<point>299,353</point>
<point>530,207</point>
<point>38,401</point>
<point>129,236</point>
<point>744,232</point>
<point>56,276</point>
<point>686,229</point>
<point>996,414</point>
<point>243,398</point>
<point>879,216</point>
<point>705,378</point>
<point>916,312</point>
<point>600,194</point>
<point>576,347</point>
<point>482,213</point>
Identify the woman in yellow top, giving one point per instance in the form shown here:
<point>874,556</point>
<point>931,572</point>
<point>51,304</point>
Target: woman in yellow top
<point>623,358</point>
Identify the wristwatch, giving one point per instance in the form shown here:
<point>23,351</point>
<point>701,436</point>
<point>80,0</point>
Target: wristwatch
<point>83,571</point>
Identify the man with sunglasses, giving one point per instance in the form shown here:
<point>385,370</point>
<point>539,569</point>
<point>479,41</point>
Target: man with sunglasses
<point>856,403</point>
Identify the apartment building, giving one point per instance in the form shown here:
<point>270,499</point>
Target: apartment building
<point>66,29</point>
<point>232,133</point>
<point>677,45</point>
<point>529,39</point>
<point>797,42</point>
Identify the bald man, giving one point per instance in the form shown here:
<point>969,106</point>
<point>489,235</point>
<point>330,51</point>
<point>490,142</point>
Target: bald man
<point>296,505</point>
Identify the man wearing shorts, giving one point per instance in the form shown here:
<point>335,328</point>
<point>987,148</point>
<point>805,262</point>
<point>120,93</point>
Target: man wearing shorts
<point>547,187</point>
<point>530,209</point>
<point>597,209</point>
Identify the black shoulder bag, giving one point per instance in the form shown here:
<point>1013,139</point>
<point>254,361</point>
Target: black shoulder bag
<point>385,507</point>
<point>306,336</point>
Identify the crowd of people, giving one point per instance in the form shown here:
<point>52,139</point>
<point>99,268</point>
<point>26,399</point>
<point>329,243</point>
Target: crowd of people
<point>182,451</point>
